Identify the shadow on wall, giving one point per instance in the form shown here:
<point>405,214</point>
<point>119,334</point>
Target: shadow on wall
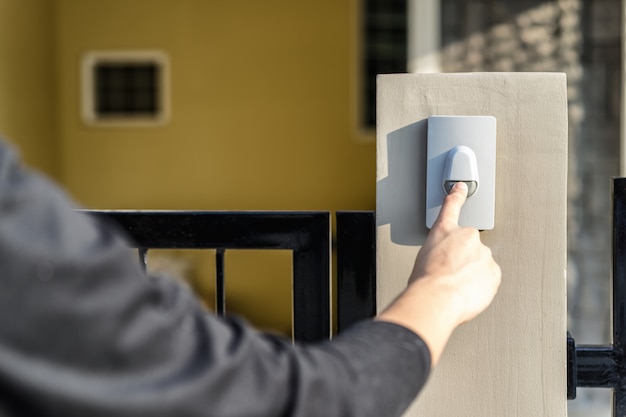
<point>404,211</point>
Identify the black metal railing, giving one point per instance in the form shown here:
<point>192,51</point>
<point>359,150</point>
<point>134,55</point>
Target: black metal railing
<point>306,234</point>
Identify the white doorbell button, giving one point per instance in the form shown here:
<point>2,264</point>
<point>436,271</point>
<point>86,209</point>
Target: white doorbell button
<point>461,167</point>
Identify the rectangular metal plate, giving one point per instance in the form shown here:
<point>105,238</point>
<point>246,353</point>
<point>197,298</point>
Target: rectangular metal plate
<point>479,134</point>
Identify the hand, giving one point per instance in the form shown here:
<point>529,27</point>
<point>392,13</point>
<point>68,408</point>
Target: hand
<point>454,279</point>
<point>454,257</point>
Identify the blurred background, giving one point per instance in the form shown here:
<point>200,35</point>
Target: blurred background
<point>248,105</point>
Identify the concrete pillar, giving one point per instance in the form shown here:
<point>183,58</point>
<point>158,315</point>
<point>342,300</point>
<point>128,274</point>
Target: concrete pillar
<point>511,361</point>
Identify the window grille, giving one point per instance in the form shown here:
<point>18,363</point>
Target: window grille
<point>125,88</point>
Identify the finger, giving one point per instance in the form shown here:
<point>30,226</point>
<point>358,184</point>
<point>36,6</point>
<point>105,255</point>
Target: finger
<point>451,207</point>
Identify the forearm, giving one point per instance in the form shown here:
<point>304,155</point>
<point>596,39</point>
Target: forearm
<point>428,309</point>
<point>386,364</point>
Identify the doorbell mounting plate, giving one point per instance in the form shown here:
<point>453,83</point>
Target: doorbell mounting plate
<point>462,148</point>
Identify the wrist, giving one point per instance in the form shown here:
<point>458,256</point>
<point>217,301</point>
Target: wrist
<point>446,299</point>
<point>429,308</point>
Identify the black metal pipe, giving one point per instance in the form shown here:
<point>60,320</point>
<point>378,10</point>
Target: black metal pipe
<point>356,267</point>
<point>595,366</point>
<point>220,290</point>
<point>619,295</point>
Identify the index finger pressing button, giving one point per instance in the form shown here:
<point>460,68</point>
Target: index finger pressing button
<point>452,204</point>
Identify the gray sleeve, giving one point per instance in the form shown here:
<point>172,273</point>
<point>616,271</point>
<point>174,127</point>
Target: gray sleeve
<point>83,332</point>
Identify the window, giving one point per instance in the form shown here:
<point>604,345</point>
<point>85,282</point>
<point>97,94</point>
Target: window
<point>125,88</point>
<point>384,48</point>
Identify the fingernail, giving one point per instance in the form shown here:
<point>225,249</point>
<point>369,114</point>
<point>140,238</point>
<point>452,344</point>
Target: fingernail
<point>461,184</point>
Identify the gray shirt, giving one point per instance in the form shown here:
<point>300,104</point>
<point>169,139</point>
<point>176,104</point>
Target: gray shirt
<point>84,332</point>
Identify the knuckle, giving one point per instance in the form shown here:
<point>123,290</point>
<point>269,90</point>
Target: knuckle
<point>455,197</point>
<point>444,224</point>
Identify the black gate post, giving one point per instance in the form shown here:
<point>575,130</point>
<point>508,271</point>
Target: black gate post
<point>619,295</point>
<point>356,267</point>
<point>604,366</point>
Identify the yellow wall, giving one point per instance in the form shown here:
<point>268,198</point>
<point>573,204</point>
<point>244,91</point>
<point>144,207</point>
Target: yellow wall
<point>261,102</point>
<point>27,80</point>
<point>260,107</point>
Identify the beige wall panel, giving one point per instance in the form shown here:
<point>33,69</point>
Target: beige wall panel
<point>511,360</point>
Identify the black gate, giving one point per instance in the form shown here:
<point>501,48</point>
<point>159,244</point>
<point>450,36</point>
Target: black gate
<point>307,234</point>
